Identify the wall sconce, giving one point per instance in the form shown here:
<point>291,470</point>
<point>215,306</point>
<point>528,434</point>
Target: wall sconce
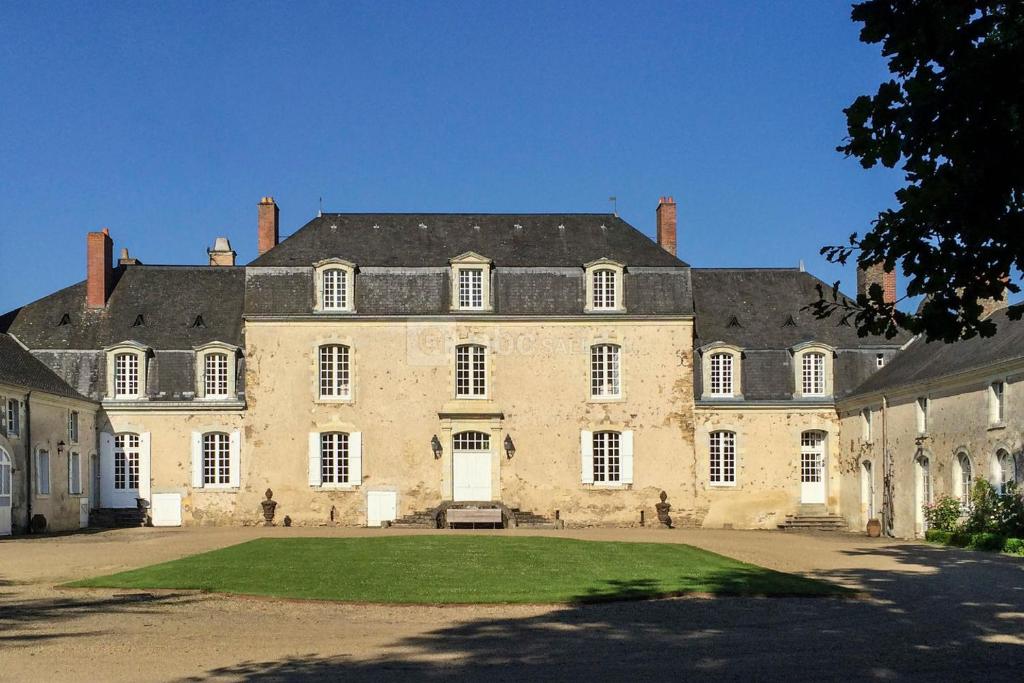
<point>60,447</point>
<point>510,448</point>
<point>435,446</point>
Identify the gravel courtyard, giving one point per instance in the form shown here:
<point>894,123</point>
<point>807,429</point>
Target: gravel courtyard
<point>929,614</point>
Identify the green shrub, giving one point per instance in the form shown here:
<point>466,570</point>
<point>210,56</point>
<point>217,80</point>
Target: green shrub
<point>960,538</point>
<point>943,514</point>
<point>983,516</point>
<point>939,536</point>
<point>987,541</point>
<point>1014,546</point>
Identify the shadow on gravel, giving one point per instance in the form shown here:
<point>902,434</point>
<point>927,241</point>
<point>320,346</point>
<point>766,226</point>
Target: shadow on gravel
<point>949,614</point>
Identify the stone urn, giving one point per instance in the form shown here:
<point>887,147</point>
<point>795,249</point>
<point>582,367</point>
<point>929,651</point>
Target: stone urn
<point>269,506</point>
<point>663,509</point>
<point>874,527</point>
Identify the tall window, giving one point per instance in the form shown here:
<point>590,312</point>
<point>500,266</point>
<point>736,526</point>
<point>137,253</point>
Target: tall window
<point>13,409</point>
<point>73,426</point>
<point>722,448</point>
<point>812,457</point>
<point>471,288</point>
<point>126,375</point>
<point>470,371</point>
<point>965,479</point>
<point>334,285</point>
<point>216,459</point>
<point>813,372</point>
<point>215,373</point>
<point>604,288</point>
<point>43,472</point>
<point>721,374</point>
<point>924,472</point>
<point>334,458</point>
<point>997,410</point>
<point>126,462</point>
<point>604,371</point>
<point>607,463</point>
<point>866,423</point>
<point>922,415</point>
<point>334,371</point>
<point>74,473</point>
<point>1006,470</point>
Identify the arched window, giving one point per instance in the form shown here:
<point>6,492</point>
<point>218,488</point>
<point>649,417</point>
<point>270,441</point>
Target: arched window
<point>471,441</point>
<point>470,371</point>
<point>216,459</point>
<point>924,491</point>
<point>334,372</point>
<point>813,373</point>
<point>721,374</point>
<point>604,371</point>
<point>722,452</point>
<point>5,493</point>
<point>1006,470</point>
<point>963,478</point>
<point>334,285</point>
<point>605,288</point>
<point>126,462</point>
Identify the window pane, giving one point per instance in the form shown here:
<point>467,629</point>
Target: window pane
<point>334,371</point>
<point>471,441</point>
<point>471,288</point>
<point>470,371</point>
<point>722,448</point>
<point>335,289</point>
<point>216,373</point>
<point>334,462</point>
<point>43,473</point>
<point>126,461</point>
<point>126,375</point>
<point>75,474</point>
<point>604,370</point>
<point>604,288</point>
<point>216,459</point>
<point>813,373</point>
<point>606,457</point>
<point>721,374</point>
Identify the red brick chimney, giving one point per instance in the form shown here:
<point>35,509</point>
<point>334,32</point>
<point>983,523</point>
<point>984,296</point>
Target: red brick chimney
<point>876,274</point>
<point>268,222</point>
<point>99,268</point>
<point>667,224</point>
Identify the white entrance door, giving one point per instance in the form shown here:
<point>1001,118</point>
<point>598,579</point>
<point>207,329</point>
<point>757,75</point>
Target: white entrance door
<point>381,506</point>
<point>124,469</point>
<point>812,468</point>
<point>471,467</point>
<point>5,493</point>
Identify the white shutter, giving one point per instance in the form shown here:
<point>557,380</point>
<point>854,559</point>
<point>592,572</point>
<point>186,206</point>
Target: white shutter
<point>315,478</point>
<point>355,458</point>
<point>106,469</point>
<point>626,457</point>
<point>197,460</point>
<point>235,452</point>
<point>145,455</point>
<point>587,457</point>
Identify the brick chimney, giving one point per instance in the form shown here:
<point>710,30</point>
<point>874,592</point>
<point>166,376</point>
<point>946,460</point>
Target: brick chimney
<point>876,274</point>
<point>268,222</point>
<point>666,213</point>
<point>99,268</point>
<point>221,254</point>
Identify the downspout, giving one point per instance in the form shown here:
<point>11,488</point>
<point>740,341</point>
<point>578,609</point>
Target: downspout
<point>28,461</point>
<point>887,502</point>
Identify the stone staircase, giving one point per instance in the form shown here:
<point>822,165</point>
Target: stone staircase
<point>511,517</point>
<point>813,517</point>
<point>117,518</point>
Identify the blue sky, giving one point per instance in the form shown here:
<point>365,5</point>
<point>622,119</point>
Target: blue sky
<point>167,122</point>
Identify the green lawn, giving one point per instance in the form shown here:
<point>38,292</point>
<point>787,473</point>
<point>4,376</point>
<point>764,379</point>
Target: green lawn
<point>462,569</point>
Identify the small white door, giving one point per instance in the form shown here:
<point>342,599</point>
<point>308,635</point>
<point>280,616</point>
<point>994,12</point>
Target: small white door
<point>5,493</point>
<point>381,506</point>
<point>83,512</point>
<point>812,468</point>
<point>471,467</point>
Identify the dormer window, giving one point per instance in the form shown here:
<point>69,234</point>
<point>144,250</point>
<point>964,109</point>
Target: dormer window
<point>471,282</point>
<point>126,370</point>
<point>604,287</point>
<point>813,373</point>
<point>126,375</point>
<point>721,370</point>
<point>813,370</point>
<point>215,371</point>
<point>335,280</point>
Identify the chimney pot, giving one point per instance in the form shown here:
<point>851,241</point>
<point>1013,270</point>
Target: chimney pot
<point>99,269</point>
<point>666,221</point>
<point>876,274</point>
<point>267,225</point>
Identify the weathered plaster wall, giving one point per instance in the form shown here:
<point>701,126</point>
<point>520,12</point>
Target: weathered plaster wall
<point>958,422</point>
<point>403,377</point>
<point>767,460</point>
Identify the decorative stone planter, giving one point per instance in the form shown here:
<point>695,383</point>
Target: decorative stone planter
<point>874,528</point>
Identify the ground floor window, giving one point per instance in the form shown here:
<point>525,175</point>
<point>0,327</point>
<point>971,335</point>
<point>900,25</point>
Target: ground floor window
<point>43,472</point>
<point>74,474</point>
<point>334,458</point>
<point>126,462</point>
<point>607,457</point>
<point>1006,470</point>
<point>216,459</point>
<point>722,449</point>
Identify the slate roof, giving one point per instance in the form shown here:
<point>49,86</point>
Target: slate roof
<point>169,299</point>
<point>21,368</point>
<point>923,361</point>
<point>431,239</point>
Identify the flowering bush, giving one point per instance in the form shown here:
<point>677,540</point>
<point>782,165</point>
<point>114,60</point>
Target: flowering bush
<point>943,514</point>
<point>994,512</point>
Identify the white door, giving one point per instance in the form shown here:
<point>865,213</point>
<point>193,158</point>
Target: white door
<point>5,493</point>
<point>867,490</point>
<point>83,512</point>
<point>124,469</point>
<point>381,506</point>
<point>471,467</point>
<point>812,468</point>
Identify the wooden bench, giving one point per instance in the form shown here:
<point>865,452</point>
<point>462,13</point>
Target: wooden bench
<point>473,516</point>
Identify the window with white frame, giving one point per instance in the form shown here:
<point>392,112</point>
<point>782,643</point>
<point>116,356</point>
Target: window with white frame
<point>997,403</point>
<point>126,462</point>
<point>215,375</point>
<point>73,426</point>
<point>470,371</point>
<point>607,462</point>
<point>216,459</point>
<point>334,289</point>
<point>13,409</point>
<point>866,424</point>
<point>471,288</point>
<point>922,414</point>
<point>1006,470</point>
<point>605,289</point>
<point>43,472</point>
<point>963,479</point>
<point>812,457</point>
<point>74,473</point>
<point>334,372</point>
<point>604,371</point>
<point>721,374</point>
<point>334,458</point>
<point>879,360</point>
<point>813,373</point>
<point>126,375</point>
<point>722,450</point>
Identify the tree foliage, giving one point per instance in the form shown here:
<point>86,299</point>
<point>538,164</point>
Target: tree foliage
<point>952,118</point>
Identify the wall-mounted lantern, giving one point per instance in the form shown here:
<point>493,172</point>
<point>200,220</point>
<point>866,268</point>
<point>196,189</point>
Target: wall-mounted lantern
<point>60,447</point>
<point>510,448</point>
<point>435,446</point>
